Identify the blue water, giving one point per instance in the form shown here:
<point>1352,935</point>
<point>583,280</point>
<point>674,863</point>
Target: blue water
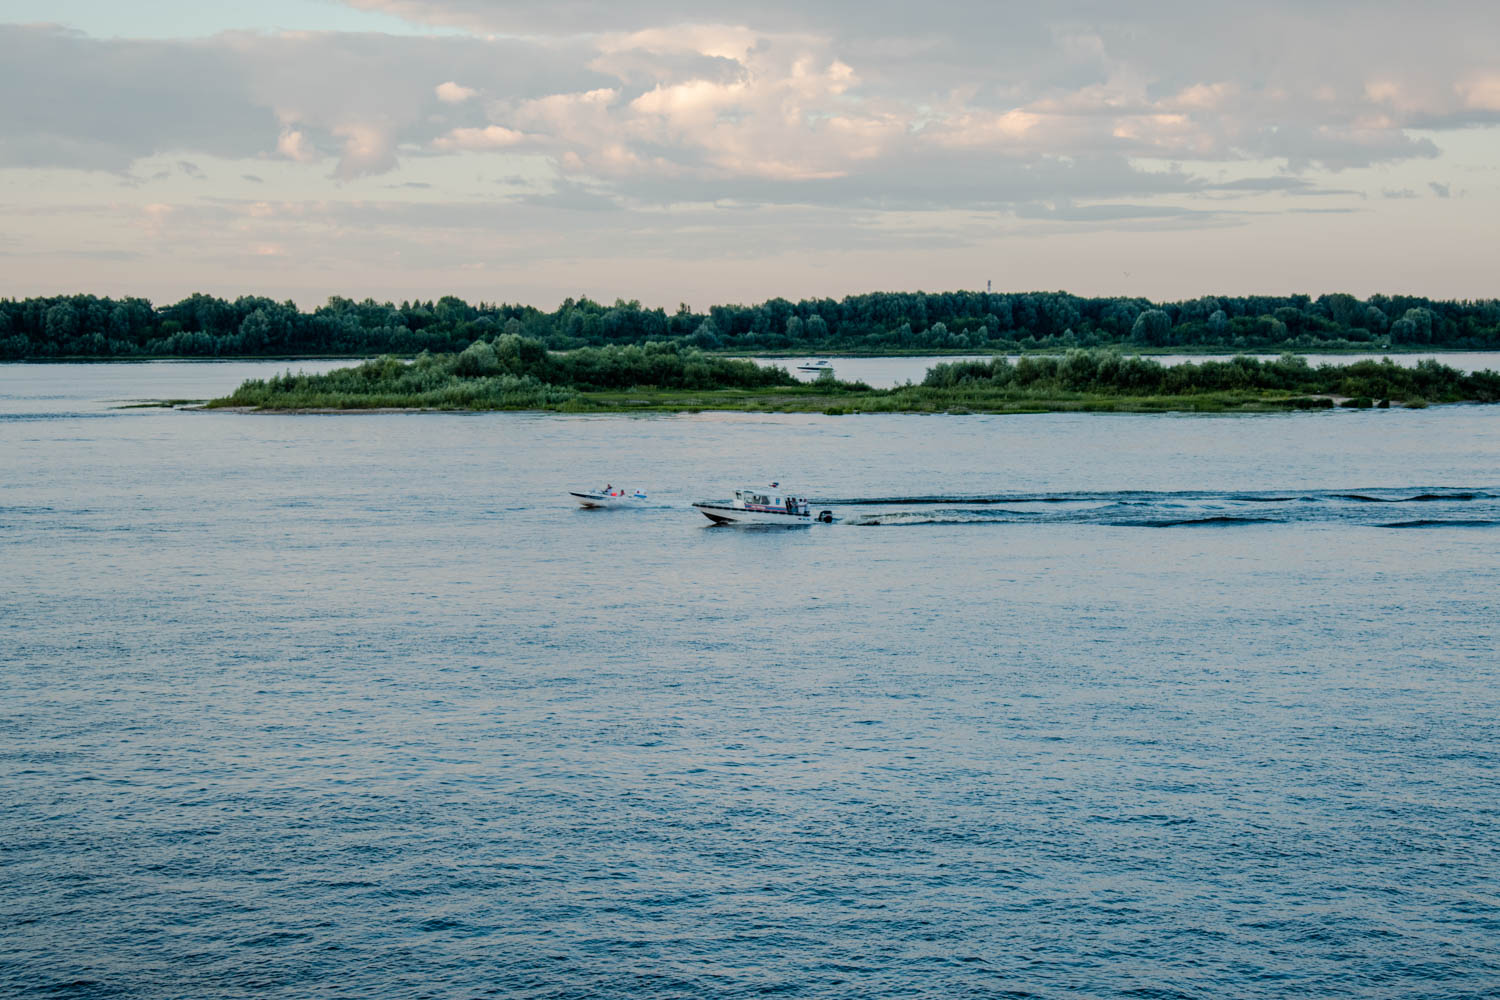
<point>1079,705</point>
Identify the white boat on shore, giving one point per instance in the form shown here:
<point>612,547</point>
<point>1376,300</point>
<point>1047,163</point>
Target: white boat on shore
<point>821,365</point>
<point>765,505</point>
<point>609,498</point>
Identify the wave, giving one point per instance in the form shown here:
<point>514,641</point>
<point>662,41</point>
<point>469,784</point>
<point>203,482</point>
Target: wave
<point>1146,496</point>
<point>1419,498</point>
<point>1457,522</point>
<point>1179,509</point>
<point>60,415</point>
<point>1430,497</point>
<point>908,518</point>
<point>958,499</point>
<point>1218,519</point>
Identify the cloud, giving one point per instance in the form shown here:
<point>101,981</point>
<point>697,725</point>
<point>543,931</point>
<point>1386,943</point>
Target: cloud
<point>155,216</point>
<point>1066,210</point>
<point>1336,148</point>
<point>1441,190</point>
<point>294,145</point>
<point>489,137</point>
<point>880,105</point>
<point>1324,211</point>
<point>1481,92</point>
<point>366,149</point>
<point>104,104</point>
<point>1263,184</point>
<point>453,93</point>
<point>526,228</point>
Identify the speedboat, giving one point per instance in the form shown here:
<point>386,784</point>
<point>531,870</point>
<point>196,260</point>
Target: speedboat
<point>764,505</point>
<point>609,497</point>
<point>821,365</point>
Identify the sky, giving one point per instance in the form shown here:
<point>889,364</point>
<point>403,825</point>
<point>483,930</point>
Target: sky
<point>708,152</point>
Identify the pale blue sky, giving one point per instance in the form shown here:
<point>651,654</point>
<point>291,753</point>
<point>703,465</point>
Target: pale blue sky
<point>709,151</point>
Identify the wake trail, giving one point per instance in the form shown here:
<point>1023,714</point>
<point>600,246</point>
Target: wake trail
<point>1446,506</point>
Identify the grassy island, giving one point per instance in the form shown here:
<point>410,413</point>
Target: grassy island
<point>517,373</point>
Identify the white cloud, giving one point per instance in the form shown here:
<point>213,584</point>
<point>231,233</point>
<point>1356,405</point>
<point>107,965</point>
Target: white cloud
<point>368,148</point>
<point>293,145</point>
<point>489,137</point>
<point>453,93</point>
<point>1481,92</point>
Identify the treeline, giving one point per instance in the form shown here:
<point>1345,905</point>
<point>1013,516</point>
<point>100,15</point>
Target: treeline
<point>202,326</point>
<point>1108,373</point>
<point>508,372</point>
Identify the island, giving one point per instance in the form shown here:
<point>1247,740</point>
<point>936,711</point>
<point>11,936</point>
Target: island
<point>512,372</point>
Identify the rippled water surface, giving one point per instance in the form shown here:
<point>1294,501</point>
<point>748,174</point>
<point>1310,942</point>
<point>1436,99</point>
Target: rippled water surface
<point>1069,705</point>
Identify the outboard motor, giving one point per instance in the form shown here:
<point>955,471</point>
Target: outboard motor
<point>826,516</point>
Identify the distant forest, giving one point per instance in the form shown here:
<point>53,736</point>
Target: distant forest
<point>201,326</point>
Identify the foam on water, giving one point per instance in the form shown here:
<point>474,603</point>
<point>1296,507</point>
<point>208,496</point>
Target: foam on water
<point>1180,509</point>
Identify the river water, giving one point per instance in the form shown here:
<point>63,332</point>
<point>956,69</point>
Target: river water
<point>1066,705</point>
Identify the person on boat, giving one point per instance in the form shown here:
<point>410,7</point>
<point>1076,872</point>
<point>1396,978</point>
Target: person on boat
<point>607,490</point>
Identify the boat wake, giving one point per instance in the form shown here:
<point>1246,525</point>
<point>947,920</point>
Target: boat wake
<point>1468,508</point>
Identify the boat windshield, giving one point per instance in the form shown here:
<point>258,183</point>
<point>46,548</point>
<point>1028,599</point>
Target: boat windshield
<point>771,501</point>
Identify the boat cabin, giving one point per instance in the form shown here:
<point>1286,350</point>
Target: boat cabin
<point>770,502</point>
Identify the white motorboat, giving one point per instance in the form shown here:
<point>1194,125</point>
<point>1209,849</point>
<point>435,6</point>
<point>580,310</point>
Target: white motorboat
<point>765,505</point>
<point>609,497</point>
<point>821,365</point>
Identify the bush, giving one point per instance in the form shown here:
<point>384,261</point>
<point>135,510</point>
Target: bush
<point>478,358</point>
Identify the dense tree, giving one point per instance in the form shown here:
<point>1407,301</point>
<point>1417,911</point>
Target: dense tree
<point>1103,373</point>
<point>253,326</point>
<point>1152,327</point>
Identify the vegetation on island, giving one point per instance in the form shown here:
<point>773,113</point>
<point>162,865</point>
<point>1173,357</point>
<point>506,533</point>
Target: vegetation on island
<point>517,373</point>
<point>510,373</point>
<point>202,326</point>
